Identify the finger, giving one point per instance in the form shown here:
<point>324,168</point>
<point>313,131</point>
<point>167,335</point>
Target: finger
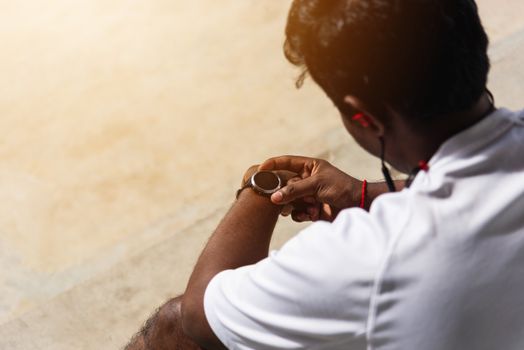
<point>313,212</point>
<point>300,216</point>
<point>310,200</point>
<point>253,168</point>
<point>294,179</point>
<point>286,211</point>
<point>327,210</point>
<point>291,163</point>
<point>327,213</point>
<point>296,190</point>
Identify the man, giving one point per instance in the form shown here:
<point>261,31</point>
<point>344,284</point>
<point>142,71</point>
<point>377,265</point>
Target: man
<point>438,265</point>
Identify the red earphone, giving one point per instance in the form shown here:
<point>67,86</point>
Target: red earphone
<point>362,119</point>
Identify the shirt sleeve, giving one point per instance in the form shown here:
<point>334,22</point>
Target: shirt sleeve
<point>314,293</point>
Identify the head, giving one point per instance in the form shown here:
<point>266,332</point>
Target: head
<point>414,61</point>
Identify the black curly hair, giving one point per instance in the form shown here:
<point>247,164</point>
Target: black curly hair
<point>425,58</point>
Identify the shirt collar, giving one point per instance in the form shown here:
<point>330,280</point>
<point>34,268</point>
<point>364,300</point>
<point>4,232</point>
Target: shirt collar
<point>473,138</point>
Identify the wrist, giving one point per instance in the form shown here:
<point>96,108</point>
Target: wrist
<point>374,190</point>
<point>352,193</point>
<point>248,196</point>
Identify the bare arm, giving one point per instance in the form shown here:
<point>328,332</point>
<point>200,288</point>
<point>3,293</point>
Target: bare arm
<point>242,238</point>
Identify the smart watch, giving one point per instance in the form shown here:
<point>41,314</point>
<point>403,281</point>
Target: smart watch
<point>264,183</point>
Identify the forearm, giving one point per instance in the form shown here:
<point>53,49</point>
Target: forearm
<point>375,189</point>
<point>242,238</point>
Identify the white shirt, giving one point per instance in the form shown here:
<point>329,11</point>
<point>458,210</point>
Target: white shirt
<point>437,266</point>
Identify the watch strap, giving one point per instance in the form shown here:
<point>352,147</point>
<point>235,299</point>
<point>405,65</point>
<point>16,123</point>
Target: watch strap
<point>246,185</point>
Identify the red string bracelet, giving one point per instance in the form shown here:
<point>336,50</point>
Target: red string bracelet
<point>363,194</point>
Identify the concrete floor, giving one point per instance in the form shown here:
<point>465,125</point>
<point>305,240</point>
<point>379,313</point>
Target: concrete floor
<point>126,126</point>
<point>121,116</point>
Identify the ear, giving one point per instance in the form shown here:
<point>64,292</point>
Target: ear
<point>374,124</point>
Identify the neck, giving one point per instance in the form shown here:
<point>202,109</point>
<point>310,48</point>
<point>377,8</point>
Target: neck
<point>424,144</point>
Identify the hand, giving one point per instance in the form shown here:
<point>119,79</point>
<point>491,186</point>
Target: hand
<point>319,192</point>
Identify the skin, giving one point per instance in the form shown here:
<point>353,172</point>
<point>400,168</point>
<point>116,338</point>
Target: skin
<point>163,331</point>
<point>243,236</point>
<point>320,190</point>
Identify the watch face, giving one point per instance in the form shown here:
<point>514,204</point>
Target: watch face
<point>266,181</point>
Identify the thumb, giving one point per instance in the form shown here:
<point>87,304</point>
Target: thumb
<point>295,190</point>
